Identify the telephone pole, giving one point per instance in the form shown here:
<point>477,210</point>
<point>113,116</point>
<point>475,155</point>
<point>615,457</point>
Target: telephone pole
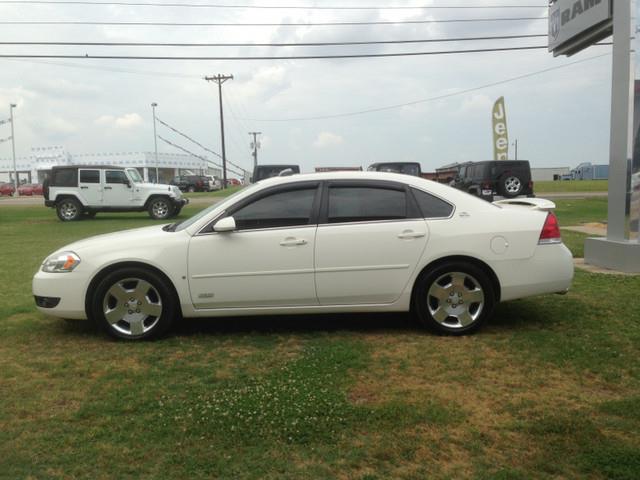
<point>220,79</point>
<point>155,140</point>
<point>13,150</point>
<point>255,145</point>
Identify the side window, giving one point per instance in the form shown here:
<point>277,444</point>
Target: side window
<point>89,176</point>
<point>361,204</point>
<point>115,176</point>
<point>282,209</point>
<point>67,177</point>
<point>430,206</point>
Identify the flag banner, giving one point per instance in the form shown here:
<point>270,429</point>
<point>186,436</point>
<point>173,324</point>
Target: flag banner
<point>500,134</point>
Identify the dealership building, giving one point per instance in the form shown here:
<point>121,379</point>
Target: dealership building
<point>33,168</point>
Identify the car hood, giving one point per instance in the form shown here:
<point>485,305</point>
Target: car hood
<point>117,240</point>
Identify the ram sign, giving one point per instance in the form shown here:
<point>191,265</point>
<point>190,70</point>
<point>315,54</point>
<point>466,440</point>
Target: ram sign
<point>577,24</point>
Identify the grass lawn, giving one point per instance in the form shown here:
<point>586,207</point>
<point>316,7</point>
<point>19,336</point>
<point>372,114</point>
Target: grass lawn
<point>549,389</point>
<point>571,186</point>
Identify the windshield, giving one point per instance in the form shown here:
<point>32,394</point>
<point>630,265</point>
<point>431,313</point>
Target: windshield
<point>134,175</point>
<point>202,213</point>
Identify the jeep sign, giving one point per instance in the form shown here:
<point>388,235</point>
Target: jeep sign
<point>500,134</point>
<point>577,24</point>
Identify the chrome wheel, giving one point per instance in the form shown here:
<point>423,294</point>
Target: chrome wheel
<point>513,185</point>
<point>160,209</point>
<point>68,210</point>
<point>132,306</point>
<point>455,300</point>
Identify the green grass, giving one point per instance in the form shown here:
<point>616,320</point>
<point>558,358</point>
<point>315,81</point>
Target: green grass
<point>579,211</point>
<point>549,389</point>
<point>571,186</point>
<point>216,194</point>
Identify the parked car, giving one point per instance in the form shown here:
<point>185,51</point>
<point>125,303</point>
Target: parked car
<point>7,189</point>
<point>29,189</point>
<point>316,243</point>
<point>77,191</point>
<point>233,182</point>
<point>214,183</point>
<point>191,183</point>
<point>506,178</point>
<point>267,171</point>
<point>408,168</point>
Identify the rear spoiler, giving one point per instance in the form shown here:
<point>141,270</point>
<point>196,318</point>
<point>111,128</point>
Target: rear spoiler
<point>531,203</point>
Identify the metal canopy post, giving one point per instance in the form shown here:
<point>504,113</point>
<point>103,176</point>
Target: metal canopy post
<point>621,250</point>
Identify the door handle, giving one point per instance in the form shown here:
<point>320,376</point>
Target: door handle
<point>108,188</point>
<point>408,234</point>
<point>84,188</point>
<point>292,242</point>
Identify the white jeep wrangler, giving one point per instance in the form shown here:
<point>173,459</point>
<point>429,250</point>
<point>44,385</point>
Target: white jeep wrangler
<point>77,191</point>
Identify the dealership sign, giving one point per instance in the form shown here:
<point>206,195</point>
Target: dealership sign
<point>500,134</point>
<point>576,24</point>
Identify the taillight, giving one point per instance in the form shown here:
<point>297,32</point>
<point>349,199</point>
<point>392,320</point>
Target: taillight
<point>550,231</point>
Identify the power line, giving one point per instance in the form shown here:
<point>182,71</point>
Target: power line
<point>196,142</point>
<point>430,99</point>
<point>262,7</point>
<point>279,24</point>
<point>277,57</point>
<point>196,155</point>
<point>299,44</point>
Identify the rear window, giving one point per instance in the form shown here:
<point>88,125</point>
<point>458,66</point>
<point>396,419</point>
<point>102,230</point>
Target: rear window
<point>89,176</point>
<point>431,206</point>
<point>362,204</point>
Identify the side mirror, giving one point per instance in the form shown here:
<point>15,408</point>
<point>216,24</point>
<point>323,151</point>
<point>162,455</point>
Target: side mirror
<point>227,224</point>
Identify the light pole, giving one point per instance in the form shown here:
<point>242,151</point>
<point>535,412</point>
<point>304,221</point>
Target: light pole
<point>13,149</point>
<point>515,144</point>
<point>155,136</point>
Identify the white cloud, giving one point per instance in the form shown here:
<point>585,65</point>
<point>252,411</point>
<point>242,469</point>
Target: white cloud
<point>327,139</point>
<point>128,120</point>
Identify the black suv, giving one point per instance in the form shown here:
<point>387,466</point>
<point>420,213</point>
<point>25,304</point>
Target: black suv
<point>191,183</point>
<point>507,178</point>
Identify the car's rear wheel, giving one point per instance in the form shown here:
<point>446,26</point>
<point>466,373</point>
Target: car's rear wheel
<point>133,304</point>
<point>455,298</point>
<point>69,209</point>
<point>160,208</point>
<point>511,186</point>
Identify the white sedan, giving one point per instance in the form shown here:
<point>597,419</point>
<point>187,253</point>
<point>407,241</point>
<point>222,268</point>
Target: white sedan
<point>319,243</point>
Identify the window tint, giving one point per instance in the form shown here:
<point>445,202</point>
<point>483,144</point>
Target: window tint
<point>89,176</point>
<point>430,206</point>
<point>283,209</point>
<point>65,178</point>
<point>115,176</point>
<point>360,204</point>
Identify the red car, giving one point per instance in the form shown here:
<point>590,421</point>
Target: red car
<point>7,189</point>
<point>30,189</point>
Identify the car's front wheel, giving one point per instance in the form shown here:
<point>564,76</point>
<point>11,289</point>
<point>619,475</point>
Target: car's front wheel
<point>160,208</point>
<point>69,209</point>
<point>454,298</point>
<point>133,304</point>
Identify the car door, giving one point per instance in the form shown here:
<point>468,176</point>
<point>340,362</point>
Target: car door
<point>90,186</point>
<point>369,240</point>
<point>267,261</point>
<point>117,189</point>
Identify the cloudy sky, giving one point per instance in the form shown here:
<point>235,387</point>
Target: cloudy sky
<point>560,117</point>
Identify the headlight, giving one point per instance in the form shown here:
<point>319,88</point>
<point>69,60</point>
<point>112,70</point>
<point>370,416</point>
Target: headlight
<point>61,262</point>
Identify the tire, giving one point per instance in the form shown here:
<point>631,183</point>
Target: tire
<point>455,298</point>
<point>511,186</point>
<point>160,208</point>
<point>133,304</point>
<point>69,209</point>
<point>176,211</point>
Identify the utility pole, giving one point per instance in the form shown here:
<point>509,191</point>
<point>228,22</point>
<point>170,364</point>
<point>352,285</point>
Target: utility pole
<point>255,145</point>
<point>155,136</point>
<point>220,79</point>
<point>13,149</point>
<point>516,145</point>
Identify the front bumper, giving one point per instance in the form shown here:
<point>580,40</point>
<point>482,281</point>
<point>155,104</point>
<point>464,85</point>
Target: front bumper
<point>69,288</point>
<point>180,202</point>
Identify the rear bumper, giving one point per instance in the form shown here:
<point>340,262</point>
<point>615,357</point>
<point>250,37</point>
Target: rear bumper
<point>549,270</point>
